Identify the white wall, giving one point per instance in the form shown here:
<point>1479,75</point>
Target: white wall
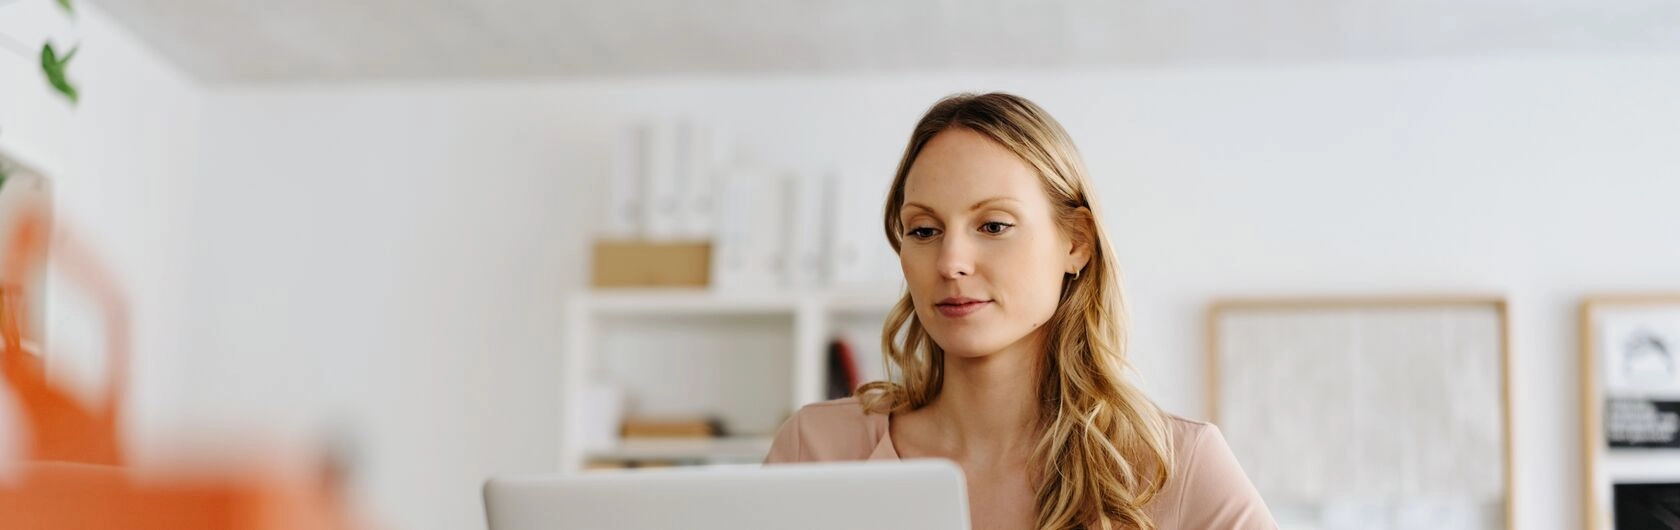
<point>393,256</point>
<point>120,165</point>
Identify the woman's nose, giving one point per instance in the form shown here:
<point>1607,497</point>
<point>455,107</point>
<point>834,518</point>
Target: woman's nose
<point>955,258</point>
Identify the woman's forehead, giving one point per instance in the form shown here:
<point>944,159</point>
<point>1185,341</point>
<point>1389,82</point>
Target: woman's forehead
<point>959,167</point>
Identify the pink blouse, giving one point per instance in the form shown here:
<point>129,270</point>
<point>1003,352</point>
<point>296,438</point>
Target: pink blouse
<point>1206,489</point>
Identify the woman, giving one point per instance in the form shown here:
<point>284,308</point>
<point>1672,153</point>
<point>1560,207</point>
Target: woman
<point>1010,345</point>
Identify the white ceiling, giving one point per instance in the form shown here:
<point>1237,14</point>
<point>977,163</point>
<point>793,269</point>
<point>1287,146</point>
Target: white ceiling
<point>328,40</point>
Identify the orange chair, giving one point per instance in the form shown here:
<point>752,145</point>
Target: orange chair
<point>73,474</point>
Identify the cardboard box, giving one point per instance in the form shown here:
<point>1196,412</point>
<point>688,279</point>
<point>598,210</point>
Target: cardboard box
<point>650,264</point>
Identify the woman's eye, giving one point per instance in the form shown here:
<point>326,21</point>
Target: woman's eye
<point>995,228</point>
<point>922,233</point>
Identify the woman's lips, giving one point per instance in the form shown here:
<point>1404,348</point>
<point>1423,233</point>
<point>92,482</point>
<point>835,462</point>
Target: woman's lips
<point>960,310</point>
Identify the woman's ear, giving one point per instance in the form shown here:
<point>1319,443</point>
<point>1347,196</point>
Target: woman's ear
<point>1082,239</point>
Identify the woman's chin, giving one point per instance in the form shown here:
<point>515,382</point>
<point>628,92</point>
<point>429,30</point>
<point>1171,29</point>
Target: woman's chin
<point>968,350</point>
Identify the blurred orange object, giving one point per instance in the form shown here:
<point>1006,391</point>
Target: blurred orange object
<point>73,474</point>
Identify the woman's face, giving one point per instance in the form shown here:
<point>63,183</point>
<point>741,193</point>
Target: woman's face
<point>982,252</point>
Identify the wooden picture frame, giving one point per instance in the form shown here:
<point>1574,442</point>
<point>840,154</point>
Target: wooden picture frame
<point>1608,320</point>
<point>1242,333</point>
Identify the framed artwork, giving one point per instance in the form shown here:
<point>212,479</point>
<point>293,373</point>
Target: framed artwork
<point>1367,412</point>
<point>1630,411</point>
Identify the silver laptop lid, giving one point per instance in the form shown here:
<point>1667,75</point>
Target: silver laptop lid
<point>914,494</point>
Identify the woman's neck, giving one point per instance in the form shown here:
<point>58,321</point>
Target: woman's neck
<point>988,406</point>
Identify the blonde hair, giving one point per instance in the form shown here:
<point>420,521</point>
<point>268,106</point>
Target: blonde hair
<point>1104,450</point>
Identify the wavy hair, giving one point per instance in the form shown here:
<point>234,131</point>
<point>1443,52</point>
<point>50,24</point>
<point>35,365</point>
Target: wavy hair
<point>1103,450</point>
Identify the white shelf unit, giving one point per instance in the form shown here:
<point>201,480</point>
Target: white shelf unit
<point>728,449</point>
<point>810,318</point>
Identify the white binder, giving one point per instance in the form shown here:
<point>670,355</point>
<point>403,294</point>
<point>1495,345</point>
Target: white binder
<point>624,190</point>
<point>807,217</point>
<point>698,150</point>
<point>859,255</point>
<point>748,252</point>
<point>662,191</point>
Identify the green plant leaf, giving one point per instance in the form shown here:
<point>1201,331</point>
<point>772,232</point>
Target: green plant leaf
<point>53,66</point>
<point>67,7</point>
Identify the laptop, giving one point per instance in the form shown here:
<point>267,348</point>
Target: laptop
<point>913,494</point>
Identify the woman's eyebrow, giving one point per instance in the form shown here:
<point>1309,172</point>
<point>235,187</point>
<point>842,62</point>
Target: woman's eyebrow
<point>984,202</point>
<point>977,205</point>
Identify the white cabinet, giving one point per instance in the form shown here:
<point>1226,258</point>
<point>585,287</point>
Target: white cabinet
<point>749,359</point>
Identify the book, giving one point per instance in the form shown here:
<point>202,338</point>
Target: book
<point>672,428</point>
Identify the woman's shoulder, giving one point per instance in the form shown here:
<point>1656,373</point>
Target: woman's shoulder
<point>1187,432</point>
<point>826,431</point>
<point>1207,487</point>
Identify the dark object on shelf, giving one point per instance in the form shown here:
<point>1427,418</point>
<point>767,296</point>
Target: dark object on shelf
<point>842,370</point>
<point>1646,506</point>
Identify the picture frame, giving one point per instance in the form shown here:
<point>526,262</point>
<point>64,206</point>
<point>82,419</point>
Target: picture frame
<point>1349,412</point>
<point>1630,407</point>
